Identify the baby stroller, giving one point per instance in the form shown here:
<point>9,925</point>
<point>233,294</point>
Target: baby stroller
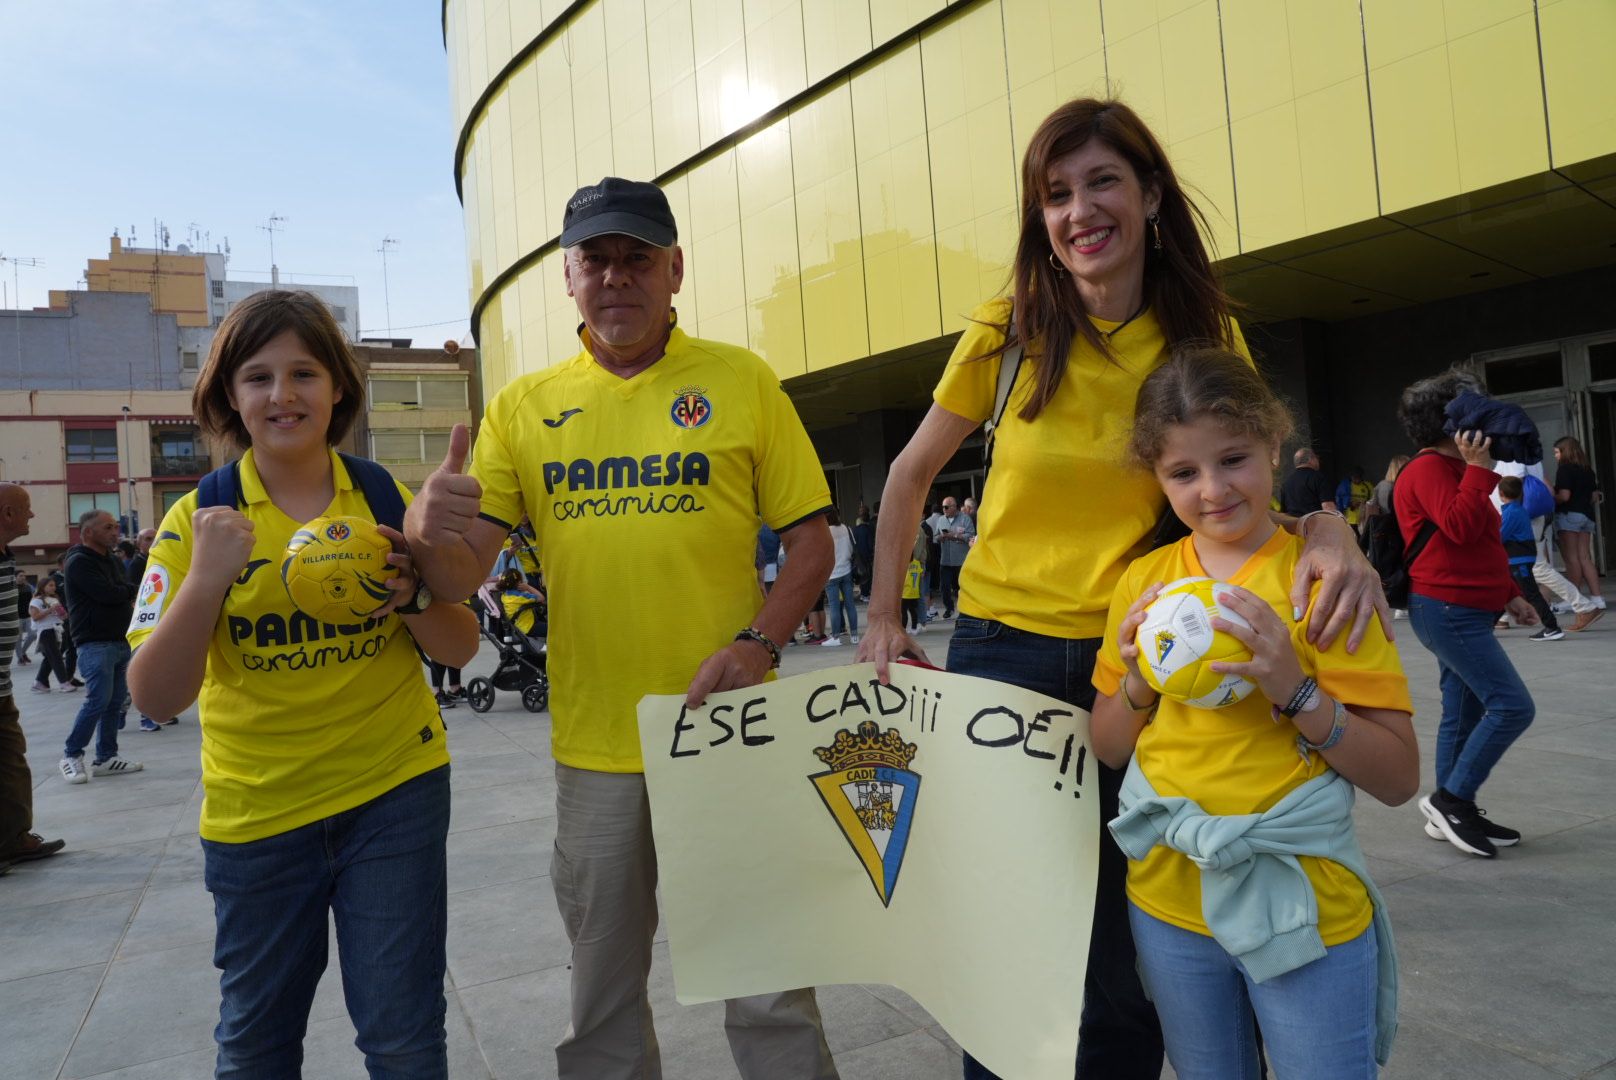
<point>522,663</point>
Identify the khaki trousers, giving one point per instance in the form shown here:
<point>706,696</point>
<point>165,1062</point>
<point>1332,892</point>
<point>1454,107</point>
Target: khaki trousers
<point>16,782</point>
<point>605,873</point>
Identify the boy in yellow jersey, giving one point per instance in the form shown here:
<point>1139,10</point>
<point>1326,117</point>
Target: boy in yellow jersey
<point>645,462</point>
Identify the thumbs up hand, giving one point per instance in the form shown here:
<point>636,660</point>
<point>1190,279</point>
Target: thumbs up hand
<point>449,501</point>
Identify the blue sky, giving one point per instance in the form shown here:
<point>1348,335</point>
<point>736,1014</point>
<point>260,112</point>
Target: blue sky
<point>333,115</point>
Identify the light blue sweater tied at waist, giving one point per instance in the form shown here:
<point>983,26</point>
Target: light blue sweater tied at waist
<point>1257,900</point>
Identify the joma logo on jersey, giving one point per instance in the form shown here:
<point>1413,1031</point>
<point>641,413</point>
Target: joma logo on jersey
<point>653,470</point>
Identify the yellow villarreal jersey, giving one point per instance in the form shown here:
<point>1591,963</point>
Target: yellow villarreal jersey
<point>1063,511</point>
<point>1237,760</point>
<point>300,720</point>
<point>646,495</point>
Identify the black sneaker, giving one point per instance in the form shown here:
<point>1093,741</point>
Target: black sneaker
<point>1460,823</point>
<point>1500,835</point>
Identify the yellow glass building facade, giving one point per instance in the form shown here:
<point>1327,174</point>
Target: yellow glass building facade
<point>845,172</point>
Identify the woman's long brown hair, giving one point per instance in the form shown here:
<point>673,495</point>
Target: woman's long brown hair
<point>1179,284</point>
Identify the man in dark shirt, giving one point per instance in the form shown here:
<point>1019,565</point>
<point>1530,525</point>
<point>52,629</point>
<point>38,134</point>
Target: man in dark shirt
<point>1305,489</point>
<point>18,841</point>
<point>100,603</point>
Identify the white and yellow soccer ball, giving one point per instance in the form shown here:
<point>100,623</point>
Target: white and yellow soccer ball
<point>336,569</point>
<point>1177,645</point>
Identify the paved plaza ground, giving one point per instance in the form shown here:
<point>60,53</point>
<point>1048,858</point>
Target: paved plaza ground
<point>1508,967</point>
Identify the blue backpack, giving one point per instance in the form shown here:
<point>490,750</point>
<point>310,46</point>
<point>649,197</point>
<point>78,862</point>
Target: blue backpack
<point>222,487</point>
<point>1536,498</point>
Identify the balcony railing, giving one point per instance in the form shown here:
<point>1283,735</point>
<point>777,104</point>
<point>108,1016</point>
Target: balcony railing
<point>180,464</point>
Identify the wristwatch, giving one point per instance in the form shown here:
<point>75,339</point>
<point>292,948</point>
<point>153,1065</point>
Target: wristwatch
<point>417,603</point>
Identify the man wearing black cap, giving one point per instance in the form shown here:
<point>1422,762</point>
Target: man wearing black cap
<point>645,462</point>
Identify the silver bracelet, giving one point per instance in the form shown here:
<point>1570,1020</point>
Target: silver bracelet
<point>1301,522</point>
<point>1337,729</point>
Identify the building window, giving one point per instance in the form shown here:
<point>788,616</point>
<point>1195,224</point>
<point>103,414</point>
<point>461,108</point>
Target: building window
<point>172,497</point>
<point>92,444</point>
<point>82,502</point>
<point>426,392</point>
<point>339,313</point>
<point>218,290</point>
<point>408,447</point>
<point>188,360</point>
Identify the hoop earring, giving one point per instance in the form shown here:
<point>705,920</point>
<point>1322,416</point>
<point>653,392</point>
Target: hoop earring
<point>1056,264</point>
<point>1155,229</point>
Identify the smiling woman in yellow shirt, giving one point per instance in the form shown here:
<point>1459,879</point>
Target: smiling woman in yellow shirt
<point>325,772</point>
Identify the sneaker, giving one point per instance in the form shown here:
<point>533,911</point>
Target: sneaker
<point>73,770</point>
<point>1547,634</point>
<point>76,682</point>
<point>149,725</point>
<point>114,766</point>
<point>458,692</point>
<point>1500,835</point>
<point>1459,822</point>
<point>1599,602</point>
<point>170,722</point>
<point>68,689</point>
<point>39,688</point>
<point>1562,608</point>
<point>854,639</point>
<point>1587,619</point>
<point>830,642</point>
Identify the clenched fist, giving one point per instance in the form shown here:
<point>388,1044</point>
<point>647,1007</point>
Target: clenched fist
<point>221,543</point>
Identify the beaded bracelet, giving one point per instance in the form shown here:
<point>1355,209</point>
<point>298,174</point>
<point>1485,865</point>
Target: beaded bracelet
<point>1337,729</point>
<point>752,633</point>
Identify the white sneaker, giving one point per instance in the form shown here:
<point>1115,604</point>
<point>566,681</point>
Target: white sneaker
<point>37,689</point>
<point>830,642</point>
<point>1599,602</point>
<point>1562,608</point>
<point>854,639</point>
<point>67,688</point>
<point>114,766</point>
<point>73,770</point>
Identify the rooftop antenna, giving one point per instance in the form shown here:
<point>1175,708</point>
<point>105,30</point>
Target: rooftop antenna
<point>276,224</point>
<point>388,244</point>
<point>17,262</point>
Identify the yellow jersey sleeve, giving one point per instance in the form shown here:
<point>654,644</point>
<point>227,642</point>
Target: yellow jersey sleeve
<point>493,464</point>
<point>1371,678</point>
<point>1109,670</point>
<point>167,563</point>
<point>968,384</point>
<point>789,480</point>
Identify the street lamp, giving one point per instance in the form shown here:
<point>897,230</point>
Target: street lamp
<point>129,464</point>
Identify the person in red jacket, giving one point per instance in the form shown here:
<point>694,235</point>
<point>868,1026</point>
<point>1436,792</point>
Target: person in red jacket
<point>1457,586</point>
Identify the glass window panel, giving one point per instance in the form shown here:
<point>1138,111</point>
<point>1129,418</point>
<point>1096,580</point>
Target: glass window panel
<point>92,444</point>
<point>394,392</point>
<point>1521,373</point>
<point>443,393</point>
<point>1602,361</point>
<point>403,447</point>
<point>434,445</point>
<point>82,502</point>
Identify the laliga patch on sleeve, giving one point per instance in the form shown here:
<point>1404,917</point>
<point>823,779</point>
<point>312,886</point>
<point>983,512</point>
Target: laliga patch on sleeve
<point>154,590</point>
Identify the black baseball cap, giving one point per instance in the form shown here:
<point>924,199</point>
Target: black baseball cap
<point>619,207</point>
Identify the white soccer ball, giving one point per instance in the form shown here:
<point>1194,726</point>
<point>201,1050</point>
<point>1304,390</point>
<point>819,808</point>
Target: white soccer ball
<point>1177,645</point>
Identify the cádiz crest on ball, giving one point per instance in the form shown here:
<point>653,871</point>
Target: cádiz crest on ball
<point>336,569</point>
<point>1177,645</point>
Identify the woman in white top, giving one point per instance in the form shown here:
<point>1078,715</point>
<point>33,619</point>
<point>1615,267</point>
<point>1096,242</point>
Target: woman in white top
<point>839,590</point>
<point>48,614</point>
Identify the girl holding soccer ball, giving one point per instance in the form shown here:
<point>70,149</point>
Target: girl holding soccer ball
<point>325,772</point>
<point>1248,896</point>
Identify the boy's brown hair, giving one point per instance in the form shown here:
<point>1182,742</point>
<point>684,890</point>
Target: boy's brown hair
<point>1510,488</point>
<point>254,323</point>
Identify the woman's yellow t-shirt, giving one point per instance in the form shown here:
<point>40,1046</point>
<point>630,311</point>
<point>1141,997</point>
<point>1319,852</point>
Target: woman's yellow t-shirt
<point>300,719</point>
<point>1237,760</point>
<point>1063,511</point>
<point>520,608</point>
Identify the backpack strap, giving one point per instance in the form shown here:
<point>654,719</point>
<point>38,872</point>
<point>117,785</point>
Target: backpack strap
<point>221,487</point>
<point>379,489</point>
<point>1421,538</point>
<point>1009,368</point>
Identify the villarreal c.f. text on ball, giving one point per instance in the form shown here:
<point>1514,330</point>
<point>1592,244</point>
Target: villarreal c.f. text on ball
<point>1177,645</point>
<point>336,569</point>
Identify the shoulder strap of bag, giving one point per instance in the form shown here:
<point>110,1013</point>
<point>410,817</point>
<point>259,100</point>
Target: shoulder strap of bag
<point>380,491</point>
<point>1009,368</point>
<point>221,487</point>
<point>1427,530</point>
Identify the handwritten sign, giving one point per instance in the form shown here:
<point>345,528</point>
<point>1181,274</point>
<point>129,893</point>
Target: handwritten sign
<point>939,834</point>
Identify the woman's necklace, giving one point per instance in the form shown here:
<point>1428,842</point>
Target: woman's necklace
<point>1138,311</point>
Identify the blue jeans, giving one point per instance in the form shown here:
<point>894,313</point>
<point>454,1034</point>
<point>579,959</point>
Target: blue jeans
<point>1485,706</point>
<point>1119,1037</point>
<point>380,868</point>
<point>839,593</point>
<point>103,665</point>
<point>1318,1022</point>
